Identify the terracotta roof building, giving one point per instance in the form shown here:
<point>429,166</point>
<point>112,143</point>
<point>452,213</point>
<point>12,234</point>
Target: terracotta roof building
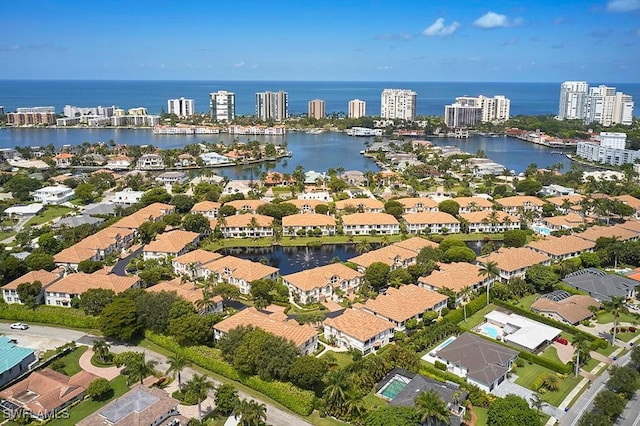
<point>370,223</point>
<point>239,272</point>
<point>46,278</point>
<point>174,243</point>
<point>560,248</point>
<point>303,336</point>
<point>245,206</point>
<point>568,221</point>
<point>362,205</point>
<point>455,276</point>
<point>571,310</point>
<point>397,255</point>
<point>319,284</point>
<point>513,204</point>
<point>358,329</point>
<point>191,262</point>
<point>244,225</point>
<point>514,261</point>
<point>151,213</point>
<point>488,221</point>
<point>473,204</point>
<point>188,291</point>
<point>306,206</point>
<point>404,303</point>
<point>46,391</point>
<point>206,208</point>
<point>61,292</point>
<point>595,232</point>
<point>308,222</point>
<point>418,204</point>
<point>431,222</point>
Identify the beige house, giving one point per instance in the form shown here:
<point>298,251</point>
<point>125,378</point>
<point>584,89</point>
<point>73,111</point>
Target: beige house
<point>302,223</point>
<point>361,205</point>
<point>208,209</point>
<point>306,206</point>
<point>418,205</point>
<point>370,223</point>
<point>565,203</point>
<point>322,283</point>
<point>570,310</point>
<point>568,221</point>
<point>404,303</point>
<point>595,232</point>
<point>304,337</point>
<point>357,329</point>
<point>513,205</point>
<point>170,244</point>
<point>245,206</point>
<point>455,276</point>
<point>397,255</point>
<point>239,272</point>
<point>473,204</point>
<point>191,263</point>
<point>560,248</point>
<point>514,261</point>
<point>188,291</point>
<point>246,226</point>
<point>96,247</point>
<point>431,222</point>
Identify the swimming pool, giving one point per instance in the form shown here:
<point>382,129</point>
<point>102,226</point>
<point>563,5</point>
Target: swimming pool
<point>542,230</point>
<point>393,387</point>
<point>490,330</point>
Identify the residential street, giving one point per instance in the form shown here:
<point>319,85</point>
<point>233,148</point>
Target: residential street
<point>631,414</point>
<point>43,338</point>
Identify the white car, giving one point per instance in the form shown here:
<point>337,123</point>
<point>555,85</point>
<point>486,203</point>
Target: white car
<point>19,326</point>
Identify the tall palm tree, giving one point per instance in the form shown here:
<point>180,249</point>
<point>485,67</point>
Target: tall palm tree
<point>250,413</point>
<point>464,294</point>
<point>431,408</point>
<point>207,303</point>
<point>489,270</point>
<point>580,344</point>
<point>140,368</point>
<point>335,393</point>
<point>200,386</point>
<point>363,246</point>
<point>177,363</point>
<point>101,349</point>
<point>537,402</point>
<point>615,249</point>
<point>353,406</point>
<point>615,306</point>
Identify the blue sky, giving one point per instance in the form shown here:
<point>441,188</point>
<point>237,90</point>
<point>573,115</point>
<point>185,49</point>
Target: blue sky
<point>421,40</point>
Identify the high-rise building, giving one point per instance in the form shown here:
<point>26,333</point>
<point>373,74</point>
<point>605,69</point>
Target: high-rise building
<point>460,115</point>
<point>357,108</point>
<point>467,111</point>
<point>272,105</point>
<point>222,106</point>
<point>316,109</point>
<point>615,140</point>
<point>398,104</point>
<point>600,104</point>
<point>181,107</point>
<point>36,110</point>
<point>497,108</point>
<point>573,98</point>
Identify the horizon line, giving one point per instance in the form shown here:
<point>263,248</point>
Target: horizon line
<point>295,81</point>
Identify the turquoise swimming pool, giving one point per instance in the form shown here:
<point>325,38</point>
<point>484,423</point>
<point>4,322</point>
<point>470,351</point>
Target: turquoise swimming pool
<point>542,230</point>
<point>393,387</point>
<point>490,330</point>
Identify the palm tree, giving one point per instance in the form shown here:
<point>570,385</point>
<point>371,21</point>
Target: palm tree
<point>431,408</point>
<point>101,349</point>
<point>140,368</point>
<point>363,246</point>
<point>200,385</point>
<point>551,382</point>
<point>537,402</point>
<point>250,413</point>
<point>207,303</point>
<point>177,363</point>
<point>615,249</point>
<point>489,270</point>
<point>253,224</point>
<point>615,306</point>
<point>464,295</point>
<point>353,406</point>
<point>335,393</point>
<point>580,345</point>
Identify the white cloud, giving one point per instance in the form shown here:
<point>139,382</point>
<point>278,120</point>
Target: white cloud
<point>385,67</point>
<point>239,64</point>
<point>496,20</point>
<point>623,5</point>
<point>438,28</point>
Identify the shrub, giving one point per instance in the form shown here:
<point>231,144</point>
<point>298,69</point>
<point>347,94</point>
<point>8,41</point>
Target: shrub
<point>632,329</point>
<point>185,398</point>
<point>440,365</point>
<point>43,314</point>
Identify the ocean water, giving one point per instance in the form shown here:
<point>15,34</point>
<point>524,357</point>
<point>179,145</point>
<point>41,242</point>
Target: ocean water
<point>526,98</point>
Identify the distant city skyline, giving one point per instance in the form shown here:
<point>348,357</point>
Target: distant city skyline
<point>484,41</point>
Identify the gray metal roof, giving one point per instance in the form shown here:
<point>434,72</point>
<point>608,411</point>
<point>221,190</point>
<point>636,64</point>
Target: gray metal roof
<point>135,401</point>
<point>599,284</point>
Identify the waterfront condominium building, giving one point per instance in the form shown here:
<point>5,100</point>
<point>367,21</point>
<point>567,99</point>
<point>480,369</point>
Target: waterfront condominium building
<point>272,105</point>
<point>181,107</point>
<point>573,98</point>
<point>462,114</point>
<point>357,108</point>
<point>611,150</point>
<point>316,109</point>
<point>222,106</point>
<point>32,116</point>
<point>600,104</point>
<point>398,104</point>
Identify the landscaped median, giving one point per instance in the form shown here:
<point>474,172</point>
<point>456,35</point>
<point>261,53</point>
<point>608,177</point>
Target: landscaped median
<point>297,400</point>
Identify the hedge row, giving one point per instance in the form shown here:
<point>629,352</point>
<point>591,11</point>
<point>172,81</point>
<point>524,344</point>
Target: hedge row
<point>457,315</point>
<point>545,320</point>
<point>67,317</point>
<point>297,400</point>
<point>547,363</point>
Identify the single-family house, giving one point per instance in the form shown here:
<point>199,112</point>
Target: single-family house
<point>53,194</point>
<point>170,244</point>
<point>301,224</point>
<point>63,160</point>
<point>150,162</point>
<point>600,285</point>
<point>127,197</point>
<point>514,261</point>
<point>521,332</point>
<point>322,283</point>
<point>239,272</point>
<point>119,162</point>
<point>455,276</point>
<point>564,307</point>
<point>304,337</point>
<point>431,222</point>
<point>16,361</point>
<point>358,329</point>
<point>172,178</point>
<point>370,224</point>
<point>560,248</point>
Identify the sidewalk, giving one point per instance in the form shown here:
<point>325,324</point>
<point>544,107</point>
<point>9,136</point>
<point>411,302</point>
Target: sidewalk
<point>108,373</point>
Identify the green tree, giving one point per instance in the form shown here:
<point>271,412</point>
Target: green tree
<point>192,329</point>
<point>195,222</point>
<point>529,187</point>
<point>148,231</point>
<point>363,246</point>
<point>593,418</point>
<point>177,363</point>
<point>99,390</point>
<point>199,386</point>
<point>250,413</point>
<point>227,210</point>
<point>49,243</point>
<point>615,306</point>
<point>119,319</point>
<point>449,206</point>
<point>155,195</point>
<point>459,254</point>
<point>262,290</point>
<point>541,277</point>
<point>101,349</point>
<point>400,276</point>
<point>40,261</point>
<point>512,410</point>
<point>94,300</point>
<point>226,290</point>
<point>152,310</point>
<point>86,193</point>
<point>307,371</point>
<point>451,242</point>
<point>29,293</point>
<point>136,367</point>
<point>226,398</point>
<point>431,408</point>
<point>609,403</point>
<point>624,380</point>
<point>515,238</point>
<point>335,391</point>
<point>427,254</point>
<point>183,203</point>
<point>394,208</point>
<point>580,345</point>
<point>393,416</point>
<point>590,260</point>
<point>635,357</point>
<point>89,266</point>
<point>377,275</point>
<point>489,270</point>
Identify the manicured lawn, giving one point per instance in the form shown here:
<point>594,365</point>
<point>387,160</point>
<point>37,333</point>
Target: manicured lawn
<point>626,336</point>
<point>476,236</point>
<point>49,212</point>
<point>294,310</point>
<point>551,353</point>
<point>483,418</point>
<point>372,402</point>
<point>607,318</point>
<point>88,406</point>
<point>5,235</point>
<point>315,419</point>
<point>342,358</point>
<point>529,373</point>
<point>590,365</point>
<point>477,318</point>
<point>608,350</point>
<point>528,301</point>
<point>72,360</point>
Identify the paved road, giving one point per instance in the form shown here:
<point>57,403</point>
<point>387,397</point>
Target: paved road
<point>58,336</point>
<point>631,414</point>
<point>585,402</point>
<point>121,265</point>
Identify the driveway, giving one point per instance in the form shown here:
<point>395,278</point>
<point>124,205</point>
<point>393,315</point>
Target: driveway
<point>510,387</point>
<point>121,265</point>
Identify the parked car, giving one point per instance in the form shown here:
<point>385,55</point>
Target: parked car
<point>19,326</point>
